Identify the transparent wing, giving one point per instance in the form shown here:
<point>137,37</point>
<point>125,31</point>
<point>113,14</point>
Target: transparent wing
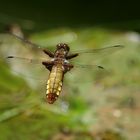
<point>26,41</point>
<point>31,70</point>
<point>89,55</point>
<point>109,49</point>
<point>23,60</point>
<point>11,44</point>
<point>94,54</point>
<point>91,65</point>
<point>85,66</point>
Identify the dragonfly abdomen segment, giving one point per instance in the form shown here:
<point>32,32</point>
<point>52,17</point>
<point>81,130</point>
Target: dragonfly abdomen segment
<point>54,83</point>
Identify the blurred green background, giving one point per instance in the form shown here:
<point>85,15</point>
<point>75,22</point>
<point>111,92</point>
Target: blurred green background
<point>94,104</point>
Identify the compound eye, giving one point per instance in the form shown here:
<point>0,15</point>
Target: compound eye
<point>59,46</point>
<point>66,47</point>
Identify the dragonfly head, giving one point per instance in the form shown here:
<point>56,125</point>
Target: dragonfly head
<point>51,98</point>
<point>63,47</point>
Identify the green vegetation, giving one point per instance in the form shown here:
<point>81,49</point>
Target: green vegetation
<point>94,104</point>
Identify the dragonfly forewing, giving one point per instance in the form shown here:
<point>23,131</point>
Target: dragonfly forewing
<point>109,49</point>
<point>24,60</point>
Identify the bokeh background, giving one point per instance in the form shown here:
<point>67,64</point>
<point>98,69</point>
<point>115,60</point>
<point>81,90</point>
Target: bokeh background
<point>95,104</point>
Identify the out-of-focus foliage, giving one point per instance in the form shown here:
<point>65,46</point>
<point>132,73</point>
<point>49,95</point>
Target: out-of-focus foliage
<point>94,104</point>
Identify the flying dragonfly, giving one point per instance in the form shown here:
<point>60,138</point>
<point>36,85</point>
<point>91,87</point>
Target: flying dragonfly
<point>59,65</point>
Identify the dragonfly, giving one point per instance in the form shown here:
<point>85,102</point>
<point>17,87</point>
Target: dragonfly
<point>59,64</point>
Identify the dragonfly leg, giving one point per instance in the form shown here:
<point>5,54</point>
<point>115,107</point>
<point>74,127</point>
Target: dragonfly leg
<point>49,53</point>
<point>68,67</point>
<point>72,56</point>
<point>48,64</point>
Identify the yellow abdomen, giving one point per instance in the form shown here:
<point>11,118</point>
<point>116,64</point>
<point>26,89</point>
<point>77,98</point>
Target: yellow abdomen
<point>54,84</point>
